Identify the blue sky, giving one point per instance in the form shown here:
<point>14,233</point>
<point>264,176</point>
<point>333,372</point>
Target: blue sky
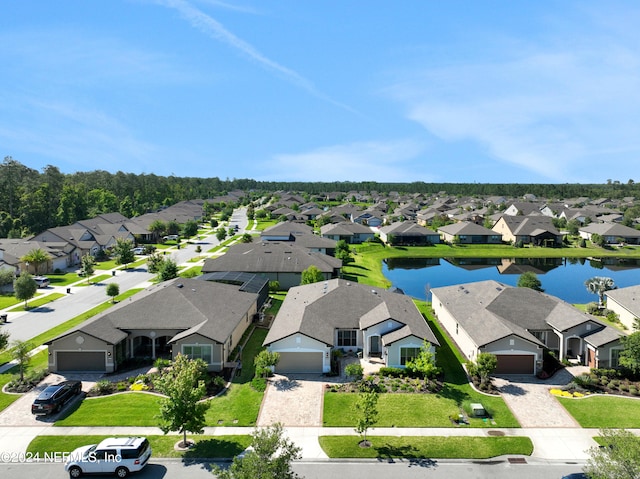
<point>325,90</point>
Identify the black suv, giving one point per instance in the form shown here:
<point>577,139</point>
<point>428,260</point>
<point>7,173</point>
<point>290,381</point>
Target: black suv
<point>54,397</point>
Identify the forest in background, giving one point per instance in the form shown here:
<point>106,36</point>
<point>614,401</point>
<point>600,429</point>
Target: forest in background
<point>32,201</point>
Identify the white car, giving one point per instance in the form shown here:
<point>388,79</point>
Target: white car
<point>138,250</point>
<point>118,456</point>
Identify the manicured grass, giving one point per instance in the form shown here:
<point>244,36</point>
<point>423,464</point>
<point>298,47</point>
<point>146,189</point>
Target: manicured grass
<point>238,406</point>
<point>38,362</point>
<point>425,410</point>
<point>8,300</point>
<point>405,447</point>
<point>36,303</point>
<point>602,411</point>
<point>63,279</point>
<point>209,447</point>
<point>133,409</point>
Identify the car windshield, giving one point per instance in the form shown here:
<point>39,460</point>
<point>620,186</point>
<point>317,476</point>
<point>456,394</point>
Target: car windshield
<point>89,451</point>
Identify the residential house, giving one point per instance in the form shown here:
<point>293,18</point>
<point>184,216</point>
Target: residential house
<point>200,319</point>
<point>352,233</point>
<point>625,302</point>
<point>518,324</point>
<point>11,250</point>
<point>611,233</point>
<point>317,318</point>
<point>535,230</point>
<point>408,233</point>
<point>469,233</point>
<point>523,209</point>
<point>276,261</point>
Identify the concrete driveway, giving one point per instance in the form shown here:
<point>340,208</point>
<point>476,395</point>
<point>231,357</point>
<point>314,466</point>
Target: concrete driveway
<point>532,404</point>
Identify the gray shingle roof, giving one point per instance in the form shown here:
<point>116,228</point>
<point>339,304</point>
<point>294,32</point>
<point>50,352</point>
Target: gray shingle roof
<point>317,310</point>
<point>628,297</point>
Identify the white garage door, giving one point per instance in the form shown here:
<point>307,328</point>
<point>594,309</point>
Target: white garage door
<point>81,361</point>
<point>300,363</point>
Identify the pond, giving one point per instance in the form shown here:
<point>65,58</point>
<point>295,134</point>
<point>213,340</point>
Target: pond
<point>560,277</point>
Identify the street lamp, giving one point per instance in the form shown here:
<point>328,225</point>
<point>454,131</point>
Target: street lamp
<point>26,263</point>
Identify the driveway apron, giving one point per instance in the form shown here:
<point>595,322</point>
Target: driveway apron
<point>531,402</point>
<point>293,400</point>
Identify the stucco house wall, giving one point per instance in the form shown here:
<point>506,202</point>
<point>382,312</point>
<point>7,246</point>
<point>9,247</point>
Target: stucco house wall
<point>79,341</point>
<point>301,343</point>
<point>466,345</point>
<point>393,351</point>
<point>217,350</point>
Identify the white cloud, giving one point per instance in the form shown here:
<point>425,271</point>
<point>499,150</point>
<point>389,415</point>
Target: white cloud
<point>361,161</point>
<point>558,110</point>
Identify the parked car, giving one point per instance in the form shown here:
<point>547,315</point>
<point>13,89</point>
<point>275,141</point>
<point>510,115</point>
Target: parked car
<point>118,456</point>
<point>171,237</point>
<point>54,397</point>
<point>42,281</point>
<point>575,475</point>
<point>138,250</point>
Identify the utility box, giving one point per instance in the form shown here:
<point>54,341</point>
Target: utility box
<point>477,410</point>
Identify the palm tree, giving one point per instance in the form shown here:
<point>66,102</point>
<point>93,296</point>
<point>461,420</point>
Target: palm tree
<point>36,257</point>
<point>599,285</point>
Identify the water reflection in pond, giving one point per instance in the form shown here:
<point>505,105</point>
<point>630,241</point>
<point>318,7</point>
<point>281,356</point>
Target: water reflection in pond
<point>561,277</point>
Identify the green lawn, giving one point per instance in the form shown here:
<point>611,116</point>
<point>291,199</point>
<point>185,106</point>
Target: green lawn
<point>412,447</point>
<point>425,410</point>
<point>8,300</point>
<point>601,411</point>
<point>210,447</point>
<point>36,303</point>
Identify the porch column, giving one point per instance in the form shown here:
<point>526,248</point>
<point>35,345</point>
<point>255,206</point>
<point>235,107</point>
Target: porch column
<point>131,348</point>
<point>153,348</point>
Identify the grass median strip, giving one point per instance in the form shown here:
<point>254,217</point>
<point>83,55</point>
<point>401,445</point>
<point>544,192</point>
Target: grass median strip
<point>413,447</point>
<point>206,447</point>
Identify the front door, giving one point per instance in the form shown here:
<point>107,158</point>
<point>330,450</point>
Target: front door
<point>374,346</point>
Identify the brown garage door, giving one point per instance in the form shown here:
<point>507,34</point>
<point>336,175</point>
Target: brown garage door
<point>81,361</point>
<point>515,364</point>
<point>299,363</point>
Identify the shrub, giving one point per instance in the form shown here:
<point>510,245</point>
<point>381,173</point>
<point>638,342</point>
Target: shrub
<point>104,387</point>
<point>162,363</point>
<point>583,381</point>
<point>392,372</point>
<point>259,384</point>
<point>354,370</point>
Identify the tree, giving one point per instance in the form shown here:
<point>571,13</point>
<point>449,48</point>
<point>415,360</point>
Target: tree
<point>311,275</point>
<point>269,457</point>
<point>87,265</point>
<point>25,288</point>
<point>343,251</point>
<point>124,251</point>
<point>246,238</point>
<point>157,229</point>
<point>221,234</point>
<point>599,285</point>
<point>619,456</point>
<point>530,280</point>
<point>190,228</point>
<point>424,363</point>
<point>6,276</point>
<point>168,270</point>
<point>20,352</point>
<point>597,239</point>
<point>113,290</point>
<point>183,384</point>
<point>630,355</point>
<point>366,408</point>
<point>486,364</point>
<point>155,262</point>
<point>4,340</point>
<point>264,361</point>
<point>36,257</point>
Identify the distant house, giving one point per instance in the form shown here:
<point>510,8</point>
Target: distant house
<point>317,318</point>
<point>275,261</point>
<point>517,324</point>
<point>408,233</point>
<point>524,209</point>
<point>200,319</point>
<point>625,302</point>
<point>611,233</point>
<point>300,234</point>
<point>469,233</point>
<point>11,250</point>
<point>370,217</point>
<point>352,233</point>
<point>535,230</point>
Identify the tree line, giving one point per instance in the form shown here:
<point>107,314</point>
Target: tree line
<point>33,201</point>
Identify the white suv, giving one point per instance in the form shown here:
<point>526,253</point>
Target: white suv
<point>120,455</point>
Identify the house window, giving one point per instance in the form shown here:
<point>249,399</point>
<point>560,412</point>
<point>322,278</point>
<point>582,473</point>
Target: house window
<point>540,336</point>
<point>615,357</point>
<point>198,351</point>
<point>347,338</point>
<point>408,354</point>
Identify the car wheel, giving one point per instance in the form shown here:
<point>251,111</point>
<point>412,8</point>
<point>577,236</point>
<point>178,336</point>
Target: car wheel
<point>75,471</point>
<point>122,472</point>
